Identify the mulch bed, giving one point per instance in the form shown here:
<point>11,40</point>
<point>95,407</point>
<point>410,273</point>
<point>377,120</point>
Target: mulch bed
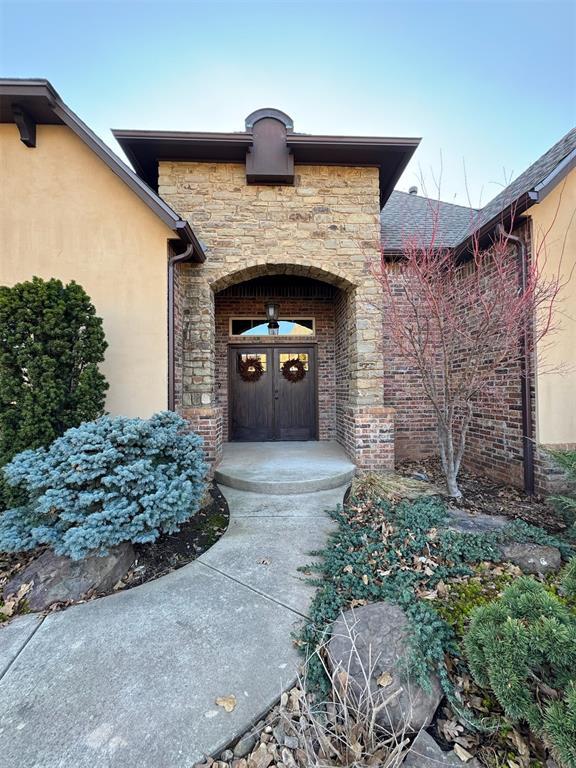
<point>172,551</point>
<point>481,494</point>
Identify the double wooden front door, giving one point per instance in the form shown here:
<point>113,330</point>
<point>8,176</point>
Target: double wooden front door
<point>274,398</point>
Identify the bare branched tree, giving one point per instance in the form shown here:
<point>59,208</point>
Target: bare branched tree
<point>458,320</point>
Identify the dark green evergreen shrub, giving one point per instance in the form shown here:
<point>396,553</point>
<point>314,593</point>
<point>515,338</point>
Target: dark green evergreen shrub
<point>50,345</point>
<point>568,580</point>
<point>566,505</point>
<point>560,726</point>
<point>103,483</point>
<point>523,647</point>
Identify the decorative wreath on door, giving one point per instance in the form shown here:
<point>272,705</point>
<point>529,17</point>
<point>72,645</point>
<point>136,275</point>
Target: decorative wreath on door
<point>250,368</point>
<point>293,370</point>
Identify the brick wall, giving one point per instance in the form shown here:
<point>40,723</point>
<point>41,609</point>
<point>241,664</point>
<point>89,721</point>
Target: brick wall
<point>415,421</point>
<point>494,445</point>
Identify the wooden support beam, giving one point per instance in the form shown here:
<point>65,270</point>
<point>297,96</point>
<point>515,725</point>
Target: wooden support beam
<point>26,125</point>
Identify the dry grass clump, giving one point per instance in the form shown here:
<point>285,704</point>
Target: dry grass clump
<point>391,486</point>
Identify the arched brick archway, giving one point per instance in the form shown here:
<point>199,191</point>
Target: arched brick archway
<point>326,226</point>
<point>350,390</point>
<point>333,276</point>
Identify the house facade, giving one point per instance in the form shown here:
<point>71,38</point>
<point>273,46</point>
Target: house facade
<point>235,275</point>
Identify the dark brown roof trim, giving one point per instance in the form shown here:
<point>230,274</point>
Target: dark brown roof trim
<point>146,148</point>
<point>15,91</point>
<point>546,186</point>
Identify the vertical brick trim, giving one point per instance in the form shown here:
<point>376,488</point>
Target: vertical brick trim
<point>207,422</point>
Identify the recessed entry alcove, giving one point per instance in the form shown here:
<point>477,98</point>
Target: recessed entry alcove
<point>299,370</point>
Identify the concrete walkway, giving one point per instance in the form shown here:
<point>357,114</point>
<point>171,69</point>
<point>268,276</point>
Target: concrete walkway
<point>130,680</point>
<point>276,468</point>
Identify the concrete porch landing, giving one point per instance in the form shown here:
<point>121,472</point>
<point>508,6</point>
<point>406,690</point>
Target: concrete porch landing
<point>284,467</point>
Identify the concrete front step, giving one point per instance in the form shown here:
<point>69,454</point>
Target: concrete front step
<point>284,468</point>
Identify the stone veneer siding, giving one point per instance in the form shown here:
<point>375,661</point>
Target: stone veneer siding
<point>326,227</point>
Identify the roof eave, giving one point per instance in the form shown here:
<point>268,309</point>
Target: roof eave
<point>547,184</point>
<point>508,218</point>
<point>40,88</point>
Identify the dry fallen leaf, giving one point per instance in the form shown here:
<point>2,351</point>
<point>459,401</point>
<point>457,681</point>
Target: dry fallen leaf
<point>365,579</point>
<point>450,729</point>
<point>462,753</point>
<point>384,680</point>
<point>228,703</point>
<point>11,603</point>
<point>348,569</point>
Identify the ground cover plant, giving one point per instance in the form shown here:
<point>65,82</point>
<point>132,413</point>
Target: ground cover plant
<point>106,482</point>
<point>400,551</point>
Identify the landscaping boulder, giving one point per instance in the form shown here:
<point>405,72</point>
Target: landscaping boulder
<point>57,579</point>
<point>532,558</point>
<point>425,753</point>
<point>374,639</point>
<point>461,521</point>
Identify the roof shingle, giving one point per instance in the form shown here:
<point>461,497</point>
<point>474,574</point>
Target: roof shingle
<point>406,215</point>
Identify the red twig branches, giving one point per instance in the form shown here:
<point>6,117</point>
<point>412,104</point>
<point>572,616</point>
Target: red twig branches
<point>457,321</point>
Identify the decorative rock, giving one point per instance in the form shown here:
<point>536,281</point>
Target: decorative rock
<point>57,579</point>
<point>245,745</point>
<point>227,755</point>
<point>425,753</point>
<point>532,558</point>
<point>279,734</point>
<point>292,742</point>
<point>375,637</point>
<point>288,759</point>
<point>261,758</point>
<point>465,522</point>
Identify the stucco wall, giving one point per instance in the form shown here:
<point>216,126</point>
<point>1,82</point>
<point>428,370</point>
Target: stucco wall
<point>64,214</point>
<point>554,224</point>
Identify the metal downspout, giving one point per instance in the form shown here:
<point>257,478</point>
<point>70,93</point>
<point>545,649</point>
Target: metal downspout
<point>172,261</point>
<point>527,432</point>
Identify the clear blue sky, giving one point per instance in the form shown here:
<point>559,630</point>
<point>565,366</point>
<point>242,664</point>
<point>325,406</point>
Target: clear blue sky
<point>490,83</point>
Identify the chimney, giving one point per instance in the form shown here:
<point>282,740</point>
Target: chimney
<point>413,191</point>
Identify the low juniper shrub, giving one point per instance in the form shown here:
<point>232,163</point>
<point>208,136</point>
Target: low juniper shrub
<point>370,558</point>
<point>381,552</point>
<point>103,483</point>
<point>523,647</point>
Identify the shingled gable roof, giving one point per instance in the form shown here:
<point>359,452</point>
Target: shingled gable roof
<point>413,215</point>
<point>410,215</point>
<point>532,185</point>
<point>42,105</point>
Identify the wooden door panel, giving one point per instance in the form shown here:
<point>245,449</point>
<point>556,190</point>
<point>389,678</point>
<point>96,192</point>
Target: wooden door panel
<point>272,408</point>
<point>295,401</point>
<point>251,403</point>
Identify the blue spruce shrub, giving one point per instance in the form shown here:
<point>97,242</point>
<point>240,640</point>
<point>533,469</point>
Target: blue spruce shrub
<point>103,483</point>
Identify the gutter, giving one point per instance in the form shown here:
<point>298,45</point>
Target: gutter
<point>527,431</point>
<point>173,259</point>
